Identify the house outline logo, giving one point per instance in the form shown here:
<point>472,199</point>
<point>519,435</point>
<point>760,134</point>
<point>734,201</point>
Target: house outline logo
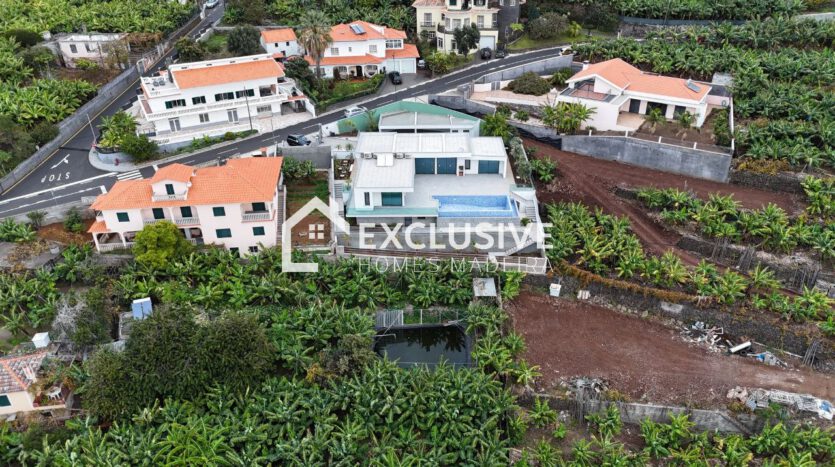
<point>315,204</point>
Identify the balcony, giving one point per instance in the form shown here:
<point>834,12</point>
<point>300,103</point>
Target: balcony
<point>279,96</point>
<point>427,25</point>
<point>181,221</point>
<point>167,197</point>
<point>256,216</point>
<point>105,247</point>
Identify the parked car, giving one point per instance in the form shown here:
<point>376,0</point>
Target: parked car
<point>211,3</point>
<point>500,53</point>
<point>421,64</point>
<point>297,140</point>
<point>355,110</point>
<point>395,78</point>
<point>486,53</point>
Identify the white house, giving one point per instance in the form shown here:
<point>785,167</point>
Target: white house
<point>93,46</point>
<point>440,18</point>
<point>238,205</point>
<point>210,98</point>
<point>17,374</point>
<point>619,93</point>
<point>362,49</point>
<point>281,42</point>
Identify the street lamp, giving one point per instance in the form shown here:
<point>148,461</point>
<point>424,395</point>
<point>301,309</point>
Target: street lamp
<point>248,113</point>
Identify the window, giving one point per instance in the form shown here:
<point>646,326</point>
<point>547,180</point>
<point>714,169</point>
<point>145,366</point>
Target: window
<point>276,44</point>
<point>4,401</point>
<point>480,21</point>
<point>264,91</point>
<point>335,51</point>
<point>440,42</point>
<point>427,19</point>
<point>185,212</point>
<point>287,43</point>
<point>158,213</point>
<point>89,47</point>
<point>73,48</point>
<point>224,96</point>
<point>175,103</point>
<point>219,211</point>
<point>253,249</point>
<point>258,231</point>
<point>372,49</point>
<point>122,217</point>
<point>174,124</point>
<point>234,251</point>
<point>264,109</point>
<point>169,189</point>
<point>367,198</point>
<point>394,44</point>
<point>392,199</point>
<point>259,207</point>
<point>245,92</point>
<point>467,164</point>
<point>343,70</point>
<point>204,118</point>
<point>232,115</point>
<point>511,2</point>
<point>225,233</point>
<point>452,44</point>
<point>456,24</point>
<point>431,35</point>
<point>453,2</point>
<point>350,49</point>
<point>198,100</point>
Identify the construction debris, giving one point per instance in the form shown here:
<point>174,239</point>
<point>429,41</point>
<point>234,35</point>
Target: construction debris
<point>769,359</point>
<point>742,346</point>
<point>700,333</point>
<point>761,398</point>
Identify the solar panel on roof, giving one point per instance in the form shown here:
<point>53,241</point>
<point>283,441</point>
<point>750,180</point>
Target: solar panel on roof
<point>357,29</point>
<point>691,86</point>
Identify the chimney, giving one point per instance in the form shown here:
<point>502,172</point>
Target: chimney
<point>585,64</point>
<point>263,152</point>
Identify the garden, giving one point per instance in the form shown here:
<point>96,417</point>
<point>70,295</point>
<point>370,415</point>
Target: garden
<point>781,66</point>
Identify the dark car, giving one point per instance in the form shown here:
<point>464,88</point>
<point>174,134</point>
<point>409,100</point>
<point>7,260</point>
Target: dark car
<point>486,53</point>
<point>297,140</point>
<point>395,78</point>
<point>501,53</point>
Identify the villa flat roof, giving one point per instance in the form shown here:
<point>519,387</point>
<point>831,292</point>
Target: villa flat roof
<point>370,174</point>
<point>430,143</point>
<point>407,119</point>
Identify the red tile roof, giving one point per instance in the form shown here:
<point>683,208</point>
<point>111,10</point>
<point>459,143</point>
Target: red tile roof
<point>279,35</point>
<point>408,51</point>
<point>98,227</point>
<point>245,68</point>
<point>14,369</point>
<point>350,60</point>
<point>343,32</point>
<point>239,181</point>
<point>438,3</point>
<point>627,77</point>
<point>174,172</point>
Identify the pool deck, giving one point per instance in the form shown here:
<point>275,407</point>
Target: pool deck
<point>427,186</point>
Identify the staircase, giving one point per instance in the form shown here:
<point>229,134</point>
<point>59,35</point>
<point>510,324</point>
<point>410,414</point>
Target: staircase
<point>279,214</point>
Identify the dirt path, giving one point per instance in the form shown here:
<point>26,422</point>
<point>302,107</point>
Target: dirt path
<point>641,358</point>
<point>592,181</point>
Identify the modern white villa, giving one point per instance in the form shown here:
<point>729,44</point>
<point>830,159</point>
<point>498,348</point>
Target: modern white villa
<point>210,98</point>
<point>446,180</point>
<point>620,94</point>
<point>280,42</point>
<point>238,205</point>
<point>361,49</point>
<point>440,18</point>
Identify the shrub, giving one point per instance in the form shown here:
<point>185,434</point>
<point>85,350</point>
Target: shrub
<point>522,115</point>
<point>548,26</point>
<point>140,147</point>
<point>73,223</point>
<point>159,244</point>
<point>43,132</point>
<point>190,50</point>
<point>244,40</point>
<point>544,169</point>
<point>295,169</point>
<point>36,218</point>
<point>559,77</point>
<point>86,64</point>
<point>24,37</point>
<point>530,83</point>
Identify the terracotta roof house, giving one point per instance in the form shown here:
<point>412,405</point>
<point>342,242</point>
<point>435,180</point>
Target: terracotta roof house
<point>362,49</point>
<point>239,205</point>
<point>280,41</point>
<point>620,93</point>
<point>193,100</point>
<point>17,374</point>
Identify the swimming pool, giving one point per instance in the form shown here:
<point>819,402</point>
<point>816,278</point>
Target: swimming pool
<point>476,206</point>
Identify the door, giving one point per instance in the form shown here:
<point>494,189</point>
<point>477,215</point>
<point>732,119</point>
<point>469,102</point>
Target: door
<point>488,167</point>
<point>446,165</point>
<point>425,166</point>
<point>635,106</point>
<point>259,207</point>
<point>158,213</point>
<point>392,198</point>
<point>487,41</point>
<point>169,189</point>
<point>185,211</point>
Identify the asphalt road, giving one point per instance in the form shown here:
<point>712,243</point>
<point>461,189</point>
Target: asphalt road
<point>67,175</point>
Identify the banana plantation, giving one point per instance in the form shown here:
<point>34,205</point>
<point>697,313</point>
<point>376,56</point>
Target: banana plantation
<point>783,70</point>
<point>707,9</point>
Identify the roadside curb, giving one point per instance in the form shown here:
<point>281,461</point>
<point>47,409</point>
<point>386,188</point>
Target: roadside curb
<point>98,164</point>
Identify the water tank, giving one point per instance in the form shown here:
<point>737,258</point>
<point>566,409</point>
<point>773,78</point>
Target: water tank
<point>40,340</point>
<point>141,308</point>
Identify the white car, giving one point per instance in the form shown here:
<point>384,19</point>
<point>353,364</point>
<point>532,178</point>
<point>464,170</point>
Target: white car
<point>211,3</point>
<point>355,110</point>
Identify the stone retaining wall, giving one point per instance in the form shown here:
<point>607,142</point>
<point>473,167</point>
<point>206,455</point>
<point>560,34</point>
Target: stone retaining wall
<point>783,182</point>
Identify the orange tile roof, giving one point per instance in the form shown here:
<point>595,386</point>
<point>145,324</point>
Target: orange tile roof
<point>352,60</point>
<point>278,55</point>
<point>627,77</point>
<point>239,181</point>
<point>418,3</point>
<point>228,73</point>
<point>98,227</point>
<point>391,33</point>
<point>408,51</point>
<point>343,32</point>
<point>13,371</point>
<point>175,172</point>
<point>278,35</point>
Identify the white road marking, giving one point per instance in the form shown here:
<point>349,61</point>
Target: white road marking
<point>228,150</point>
<point>156,167</point>
<point>36,193</point>
<point>132,175</point>
<point>65,160</point>
<point>51,198</point>
<point>103,189</point>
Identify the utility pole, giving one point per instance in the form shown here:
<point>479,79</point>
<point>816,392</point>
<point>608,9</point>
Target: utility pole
<point>248,113</point>
<point>91,128</point>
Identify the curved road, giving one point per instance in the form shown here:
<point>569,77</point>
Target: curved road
<point>67,175</point>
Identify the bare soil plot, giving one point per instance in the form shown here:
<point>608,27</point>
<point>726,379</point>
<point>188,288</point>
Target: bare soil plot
<point>314,229</point>
<point>641,358</point>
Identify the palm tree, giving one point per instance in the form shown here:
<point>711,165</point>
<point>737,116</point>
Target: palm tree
<point>314,36</point>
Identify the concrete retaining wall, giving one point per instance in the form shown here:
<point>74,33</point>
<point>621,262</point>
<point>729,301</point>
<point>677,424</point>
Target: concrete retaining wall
<point>667,158</point>
<point>58,213</point>
<point>542,67</point>
<point>319,155</point>
<point>462,103</point>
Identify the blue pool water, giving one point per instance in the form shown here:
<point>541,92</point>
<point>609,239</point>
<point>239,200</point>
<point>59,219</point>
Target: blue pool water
<point>476,206</point>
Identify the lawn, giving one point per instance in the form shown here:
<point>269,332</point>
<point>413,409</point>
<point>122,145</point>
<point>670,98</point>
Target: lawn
<point>215,44</point>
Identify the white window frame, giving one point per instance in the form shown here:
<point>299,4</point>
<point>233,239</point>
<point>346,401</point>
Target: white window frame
<point>264,109</point>
<point>334,51</point>
<point>174,124</point>
<point>372,49</point>
<point>73,48</point>
<point>232,116</point>
<point>204,117</point>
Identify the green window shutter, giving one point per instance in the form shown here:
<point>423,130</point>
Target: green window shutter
<point>158,213</point>
<point>223,233</point>
<point>219,211</point>
<point>258,231</point>
<point>122,217</point>
<point>259,207</point>
<point>185,211</point>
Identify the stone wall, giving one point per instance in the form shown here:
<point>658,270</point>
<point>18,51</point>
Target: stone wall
<point>541,67</point>
<point>58,213</point>
<point>766,328</point>
<point>784,182</point>
<point>319,155</point>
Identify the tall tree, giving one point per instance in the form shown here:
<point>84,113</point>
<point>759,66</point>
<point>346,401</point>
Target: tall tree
<point>314,36</point>
<point>244,40</point>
